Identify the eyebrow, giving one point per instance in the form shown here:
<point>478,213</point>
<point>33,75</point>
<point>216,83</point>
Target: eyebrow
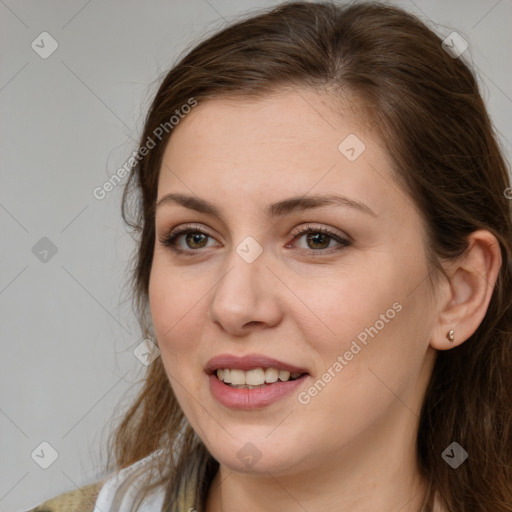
<point>280,208</point>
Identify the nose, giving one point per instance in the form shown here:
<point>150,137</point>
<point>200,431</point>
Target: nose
<point>246,296</point>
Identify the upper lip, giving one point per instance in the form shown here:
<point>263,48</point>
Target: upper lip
<point>249,362</point>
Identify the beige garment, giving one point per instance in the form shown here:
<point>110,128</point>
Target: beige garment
<point>79,500</point>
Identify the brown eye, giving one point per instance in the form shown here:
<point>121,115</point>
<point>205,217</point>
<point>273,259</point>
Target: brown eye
<point>194,237</point>
<point>319,238</point>
<point>195,240</point>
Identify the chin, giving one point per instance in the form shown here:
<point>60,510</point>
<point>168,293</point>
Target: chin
<point>257,455</point>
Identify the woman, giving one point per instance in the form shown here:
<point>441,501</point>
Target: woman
<point>324,262</point>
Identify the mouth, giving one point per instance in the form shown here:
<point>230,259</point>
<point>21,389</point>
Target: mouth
<point>255,378</point>
<point>253,371</point>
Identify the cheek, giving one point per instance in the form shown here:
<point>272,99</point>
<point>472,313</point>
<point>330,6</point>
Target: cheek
<point>174,305</point>
<point>344,305</point>
<point>369,317</point>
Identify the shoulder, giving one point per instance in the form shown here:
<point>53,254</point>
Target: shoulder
<point>122,486</point>
<point>79,500</point>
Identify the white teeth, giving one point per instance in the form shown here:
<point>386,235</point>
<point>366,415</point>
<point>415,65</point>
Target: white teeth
<point>237,376</point>
<point>271,375</point>
<point>284,375</point>
<point>255,377</point>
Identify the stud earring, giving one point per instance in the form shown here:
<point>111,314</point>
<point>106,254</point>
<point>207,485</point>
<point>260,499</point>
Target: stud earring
<point>450,335</point>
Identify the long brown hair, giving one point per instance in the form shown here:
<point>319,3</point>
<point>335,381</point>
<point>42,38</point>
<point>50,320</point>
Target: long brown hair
<point>426,107</point>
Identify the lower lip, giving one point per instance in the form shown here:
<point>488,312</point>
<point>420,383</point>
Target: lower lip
<point>244,398</point>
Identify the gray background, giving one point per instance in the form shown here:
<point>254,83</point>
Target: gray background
<point>67,124</point>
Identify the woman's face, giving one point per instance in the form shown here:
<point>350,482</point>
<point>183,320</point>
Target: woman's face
<point>349,310</point>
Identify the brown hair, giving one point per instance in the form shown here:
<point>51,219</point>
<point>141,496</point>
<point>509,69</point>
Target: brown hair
<point>427,108</point>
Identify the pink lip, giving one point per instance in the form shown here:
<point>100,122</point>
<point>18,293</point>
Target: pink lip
<point>240,398</point>
<point>249,362</point>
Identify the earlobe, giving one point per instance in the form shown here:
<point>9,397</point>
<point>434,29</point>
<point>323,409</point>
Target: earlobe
<point>472,279</point>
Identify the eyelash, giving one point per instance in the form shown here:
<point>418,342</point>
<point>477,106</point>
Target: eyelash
<point>170,239</point>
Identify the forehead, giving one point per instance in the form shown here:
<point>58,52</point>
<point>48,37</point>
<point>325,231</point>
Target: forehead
<point>304,119</point>
<point>280,145</point>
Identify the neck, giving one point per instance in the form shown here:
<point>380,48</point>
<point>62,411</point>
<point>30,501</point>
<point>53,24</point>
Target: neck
<point>231,491</point>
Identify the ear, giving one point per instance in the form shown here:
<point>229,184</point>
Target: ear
<point>467,293</point>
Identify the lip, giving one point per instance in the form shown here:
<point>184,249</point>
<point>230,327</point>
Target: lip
<point>249,362</point>
<point>244,398</point>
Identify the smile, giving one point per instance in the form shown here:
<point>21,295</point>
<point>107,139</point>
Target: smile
<point>256,377</point>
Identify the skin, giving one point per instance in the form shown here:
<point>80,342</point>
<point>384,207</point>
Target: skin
<point>352,447</point>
